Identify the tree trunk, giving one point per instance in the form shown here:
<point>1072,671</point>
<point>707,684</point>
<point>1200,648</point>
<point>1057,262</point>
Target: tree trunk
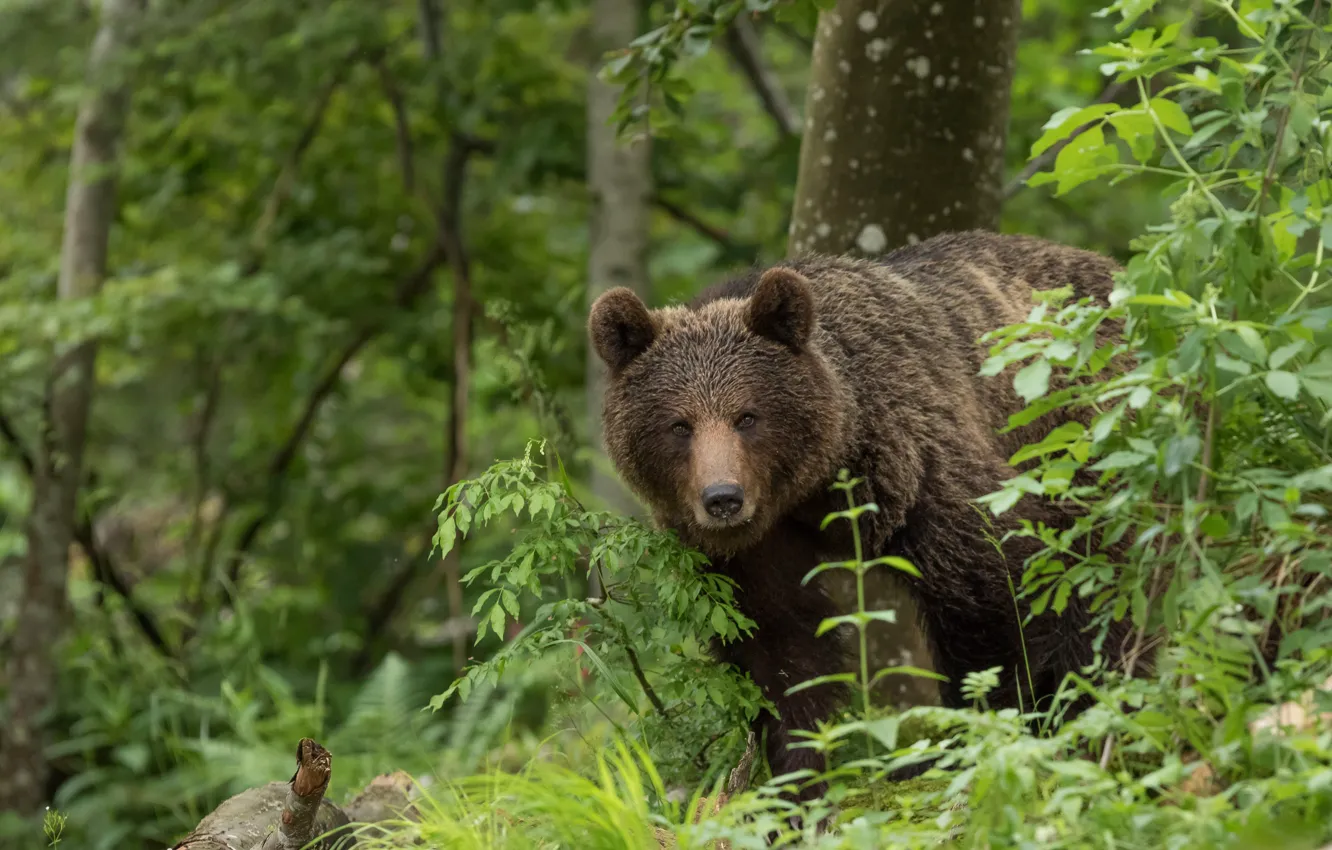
<point>907,118</point>
<point>89,210</point>
<point>619,179</point>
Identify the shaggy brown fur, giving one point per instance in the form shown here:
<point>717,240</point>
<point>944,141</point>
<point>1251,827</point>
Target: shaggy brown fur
<point>770,383</point>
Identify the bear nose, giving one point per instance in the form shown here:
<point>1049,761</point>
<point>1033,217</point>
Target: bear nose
<point>723,501</point>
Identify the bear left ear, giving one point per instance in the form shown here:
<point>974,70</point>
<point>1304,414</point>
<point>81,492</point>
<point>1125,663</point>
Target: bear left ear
<point>620,326</point>
<point>782,308</point>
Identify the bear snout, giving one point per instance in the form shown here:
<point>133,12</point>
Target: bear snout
<point>723,501</point>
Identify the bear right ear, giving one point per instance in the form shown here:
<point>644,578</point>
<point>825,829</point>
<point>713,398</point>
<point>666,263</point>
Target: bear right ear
<point>782,308</point>
<point>620,326</point>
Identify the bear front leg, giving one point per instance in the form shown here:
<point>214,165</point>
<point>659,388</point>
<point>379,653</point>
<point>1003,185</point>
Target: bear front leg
<point>783,651</point>
<point>776,664</point>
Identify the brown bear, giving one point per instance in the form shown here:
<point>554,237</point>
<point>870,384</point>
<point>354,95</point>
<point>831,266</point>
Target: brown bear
<point>732,416</point>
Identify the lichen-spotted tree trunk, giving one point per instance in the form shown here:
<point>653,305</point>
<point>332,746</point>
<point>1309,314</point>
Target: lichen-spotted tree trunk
<point>58,459</point>
<point>907,113</point>
<point>619,178</point>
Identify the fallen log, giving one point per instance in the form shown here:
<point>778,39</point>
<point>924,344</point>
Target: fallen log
<point>289,815</point>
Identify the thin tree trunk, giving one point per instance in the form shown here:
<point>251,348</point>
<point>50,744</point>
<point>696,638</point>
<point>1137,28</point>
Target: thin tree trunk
<point>619,178</point>
<point>449,218</point>
<point>907,113</point>
<point>89,209</point>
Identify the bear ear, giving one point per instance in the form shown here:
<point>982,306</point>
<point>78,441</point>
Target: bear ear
<point>620,326</point>
<point>782,308</point>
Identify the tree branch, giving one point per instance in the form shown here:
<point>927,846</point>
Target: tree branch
<point>699,226</point>
<point>643,681</point>
<point>787,32</point>
<point>286,177</point>
<point>746,50</point>
<point>103,567</point>
<point>449,222</point>
<point>408,291</point>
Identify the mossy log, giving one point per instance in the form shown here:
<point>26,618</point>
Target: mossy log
<point>288,815</point>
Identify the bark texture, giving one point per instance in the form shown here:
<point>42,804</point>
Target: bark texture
<point>907,114</point>
<point>58,463</point>
<point>906,121</point>
<point>619,176</point>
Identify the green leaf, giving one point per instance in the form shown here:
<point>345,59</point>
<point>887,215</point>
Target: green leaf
<point>446,537</point>
<point>884,730</point>
<point>1135,127</point>
<point>1274,515</point>
<point>1085,158</point>
<point>1283,354</point>
<point>1226,363</point>
<point>1065,121</point>
<point>1171,115</point>
<point>1254,341</point>
<point>1215,525</point>
<point>830,679</point>
<point>1283,384</point>
<point>907,670</point>
<point>1061,597</point>
<point>1121,460</point>
<point>900,564</point>
<point>1033,381</point>
<point>719,620</point>
<point>1180,452</point>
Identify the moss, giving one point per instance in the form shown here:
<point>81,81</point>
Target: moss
<point>914,799</point>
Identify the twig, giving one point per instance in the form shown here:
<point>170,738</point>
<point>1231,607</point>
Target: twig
<point>1269,173</point>
<point>643,680</point>
<point>689,219</point>
<point>746,49</point>
<point>699,761</point>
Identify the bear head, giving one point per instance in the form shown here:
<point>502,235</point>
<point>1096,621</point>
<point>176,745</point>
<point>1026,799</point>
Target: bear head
<point>725,416</point>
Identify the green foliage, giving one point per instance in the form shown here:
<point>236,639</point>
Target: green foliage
<point>245,264</point>
<point>53,826</point>
<point>266,224</point>
<point>648,68</point>
<point>660,611</point>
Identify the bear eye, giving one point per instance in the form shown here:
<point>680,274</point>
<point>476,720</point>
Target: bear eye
<point>746,421</point>
<point>681,429</point>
